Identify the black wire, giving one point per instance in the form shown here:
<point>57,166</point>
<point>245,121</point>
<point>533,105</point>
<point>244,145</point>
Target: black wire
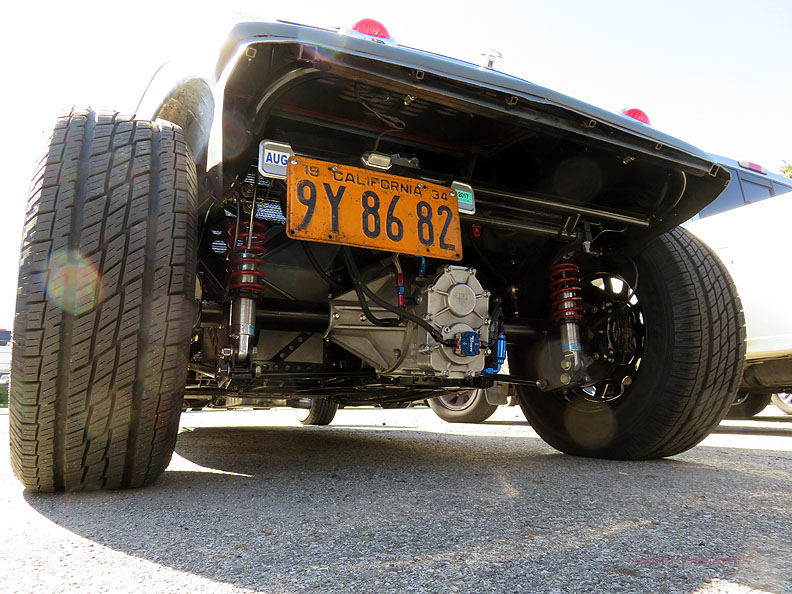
<point>319,270</point>
<point>402,313</point>
<point>236,240</point>
<point>393,122</point>
<point>236,226</point>
<point>361,290</point>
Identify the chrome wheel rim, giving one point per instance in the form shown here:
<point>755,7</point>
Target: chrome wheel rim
<point>457,400</point>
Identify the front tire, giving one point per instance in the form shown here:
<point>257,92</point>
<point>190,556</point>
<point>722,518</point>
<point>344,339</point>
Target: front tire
<point>783,401</point>
<point>321,412</point>
<point>470,406</point>
<point>685,378</point>
<point>105,305</point>
<point>748,406</point>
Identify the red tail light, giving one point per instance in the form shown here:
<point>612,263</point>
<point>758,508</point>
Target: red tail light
<point>753,167</point>
<point>637,114</point>
<point>372,28</point>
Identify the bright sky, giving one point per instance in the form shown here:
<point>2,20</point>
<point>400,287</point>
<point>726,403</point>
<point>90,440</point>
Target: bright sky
<point>713,73</point>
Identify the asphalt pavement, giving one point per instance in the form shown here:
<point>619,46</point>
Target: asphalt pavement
<point>400,501</point>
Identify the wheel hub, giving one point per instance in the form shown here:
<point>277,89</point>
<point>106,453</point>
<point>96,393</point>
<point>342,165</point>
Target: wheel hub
<point>613,334</point>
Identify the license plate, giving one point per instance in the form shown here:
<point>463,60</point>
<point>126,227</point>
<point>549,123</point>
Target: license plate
<point>334,203</point>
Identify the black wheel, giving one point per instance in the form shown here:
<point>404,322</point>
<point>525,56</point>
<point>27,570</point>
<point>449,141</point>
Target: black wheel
<point>748,405</point>
<point>105,305</point>
<point>783,401</point>
<point>468,406</point>
<point>675,347</point>
<point>322,412</point>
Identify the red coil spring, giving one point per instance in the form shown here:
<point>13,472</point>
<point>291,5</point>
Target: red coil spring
<point>247,262</point>
<point>565,291</point>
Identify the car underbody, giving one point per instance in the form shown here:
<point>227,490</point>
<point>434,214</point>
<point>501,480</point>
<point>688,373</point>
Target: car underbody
<point>547,190</point>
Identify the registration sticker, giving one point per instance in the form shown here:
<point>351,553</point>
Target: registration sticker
<point>273,158</point>
<point>466,198</point>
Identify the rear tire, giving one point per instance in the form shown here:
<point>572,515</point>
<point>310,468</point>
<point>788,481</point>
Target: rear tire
<point>468,407</point>
<point>105,305</point>
<point>686,377</point>
<point>749,406</point>
<point>322,412</point>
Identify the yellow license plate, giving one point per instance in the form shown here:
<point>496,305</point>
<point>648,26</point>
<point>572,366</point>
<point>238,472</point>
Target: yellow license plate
<point>334,203</point>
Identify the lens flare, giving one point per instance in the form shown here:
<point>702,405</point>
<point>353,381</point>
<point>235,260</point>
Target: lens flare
<point>590,430</point>
<point>74,284</point>
<point>235,136</point>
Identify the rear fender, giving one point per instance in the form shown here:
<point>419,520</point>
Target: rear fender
<point>187,99</point>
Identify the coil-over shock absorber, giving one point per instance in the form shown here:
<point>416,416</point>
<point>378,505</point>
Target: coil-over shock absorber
<point>567,311</point>
<point>244,284</point>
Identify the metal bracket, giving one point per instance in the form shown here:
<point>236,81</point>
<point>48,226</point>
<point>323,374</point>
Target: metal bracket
<point>570,224</point>
<point>272,369</point>
<point>286,351</point>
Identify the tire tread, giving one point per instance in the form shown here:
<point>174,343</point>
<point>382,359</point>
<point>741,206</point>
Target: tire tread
<point>96,391</point>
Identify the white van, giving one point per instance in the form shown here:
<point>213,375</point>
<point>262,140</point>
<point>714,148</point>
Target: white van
<point>746,228</point>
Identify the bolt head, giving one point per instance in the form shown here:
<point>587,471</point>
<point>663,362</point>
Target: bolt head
<point>471,271</point>
<point>445,372</point>
<point>566,364</point>
<point>565,379</point>
<point>362,318</point>
<point>336,315</point>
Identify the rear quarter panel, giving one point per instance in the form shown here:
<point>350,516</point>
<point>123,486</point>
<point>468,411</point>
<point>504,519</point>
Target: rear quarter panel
<point>754,243</point>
